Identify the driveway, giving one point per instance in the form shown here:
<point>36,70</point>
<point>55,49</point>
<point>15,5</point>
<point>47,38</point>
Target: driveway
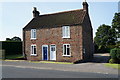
<point>101,58</point>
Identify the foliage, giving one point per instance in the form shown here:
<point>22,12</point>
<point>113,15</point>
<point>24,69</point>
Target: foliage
<point>112,61</point>
<point>12,47</point>
<point>116,24</point>
<point>108,37</point>
<point>118,44</point>
<point>16,39</point>
<point>115,55</point>
<point>104,37</point>
<point>13,39</point>
<point>8,39</point>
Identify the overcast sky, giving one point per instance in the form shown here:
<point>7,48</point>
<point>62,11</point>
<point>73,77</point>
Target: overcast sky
<point>15,15</point>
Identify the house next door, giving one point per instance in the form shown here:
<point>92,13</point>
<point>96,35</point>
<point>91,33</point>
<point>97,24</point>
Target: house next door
<point>45,52</point>
<point>52,52</point>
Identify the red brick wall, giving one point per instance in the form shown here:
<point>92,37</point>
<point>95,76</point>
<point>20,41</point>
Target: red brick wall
<point>48,36</point>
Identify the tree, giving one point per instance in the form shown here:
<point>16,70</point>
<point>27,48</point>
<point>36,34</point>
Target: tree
<point>13,39</point>
<point>108,37</point>
<point>16,39</point>
<point>112,36</point>
<point>8,39</point>
<point>116,25</point>
<point>105,36</point>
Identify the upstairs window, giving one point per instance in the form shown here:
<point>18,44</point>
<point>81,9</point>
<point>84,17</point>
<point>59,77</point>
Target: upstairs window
<point>33,50</point>
<point>66,49</point>
<point>33,33</point>
<point>66,32</point>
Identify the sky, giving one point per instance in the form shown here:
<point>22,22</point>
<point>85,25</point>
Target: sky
<point>15,15</point>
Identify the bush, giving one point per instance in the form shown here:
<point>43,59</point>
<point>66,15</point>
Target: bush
<point>112,61</point>
<point>103,49</point>
<point>115,55</point>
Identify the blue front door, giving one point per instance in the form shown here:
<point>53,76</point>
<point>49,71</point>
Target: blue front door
<point>45,52</point>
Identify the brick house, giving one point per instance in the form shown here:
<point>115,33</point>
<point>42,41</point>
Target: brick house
<point>63,36</point>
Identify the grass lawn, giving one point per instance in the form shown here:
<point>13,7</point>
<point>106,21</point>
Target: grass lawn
<point>14,56</point>
<point>116,66</point>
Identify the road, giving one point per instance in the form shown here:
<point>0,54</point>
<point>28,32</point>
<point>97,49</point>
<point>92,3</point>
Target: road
<point>82,67</point>
<point>17,72</point>
<point>26,69</point>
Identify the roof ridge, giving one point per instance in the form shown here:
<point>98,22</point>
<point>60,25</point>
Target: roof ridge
<point>60,18</point>
<point>61,12</point>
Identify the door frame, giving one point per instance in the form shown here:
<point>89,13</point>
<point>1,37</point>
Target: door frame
<point>55,51</point>
<point>42,51</point>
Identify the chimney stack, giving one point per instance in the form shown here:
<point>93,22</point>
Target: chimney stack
<point>85,6</point>
<point>35,12</point>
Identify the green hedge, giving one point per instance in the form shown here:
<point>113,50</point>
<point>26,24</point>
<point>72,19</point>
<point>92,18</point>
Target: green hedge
<point>115,55</point>
<point>12,47</point>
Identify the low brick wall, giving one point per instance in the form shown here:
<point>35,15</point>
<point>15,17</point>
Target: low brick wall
<point>2,54</point>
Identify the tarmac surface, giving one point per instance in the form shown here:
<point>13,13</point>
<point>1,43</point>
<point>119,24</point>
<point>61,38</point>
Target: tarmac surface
<point>96,66</point>
<point>17,72</point>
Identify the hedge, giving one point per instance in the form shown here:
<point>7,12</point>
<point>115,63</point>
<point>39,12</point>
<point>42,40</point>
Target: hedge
<point>12,47</point>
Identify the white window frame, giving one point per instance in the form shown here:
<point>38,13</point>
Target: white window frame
<point>32,50</point>
<point>65,31</point>
<point>66,50</point>
<point>33,34</point>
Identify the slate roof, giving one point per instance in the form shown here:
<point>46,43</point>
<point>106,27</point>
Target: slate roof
<point>57,19</point>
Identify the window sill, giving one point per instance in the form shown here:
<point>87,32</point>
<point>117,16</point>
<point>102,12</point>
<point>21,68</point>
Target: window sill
<point>33,39</point>
<point>66,55</point>
<point>33,55</point>
<point>65,37</point>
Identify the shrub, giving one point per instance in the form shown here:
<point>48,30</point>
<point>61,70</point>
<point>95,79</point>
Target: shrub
<point>112,61</point>
<point>115,55</point>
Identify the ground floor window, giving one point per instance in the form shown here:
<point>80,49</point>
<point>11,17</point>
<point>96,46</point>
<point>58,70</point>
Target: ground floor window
<point>33,50</point>
<point>66,49</point>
